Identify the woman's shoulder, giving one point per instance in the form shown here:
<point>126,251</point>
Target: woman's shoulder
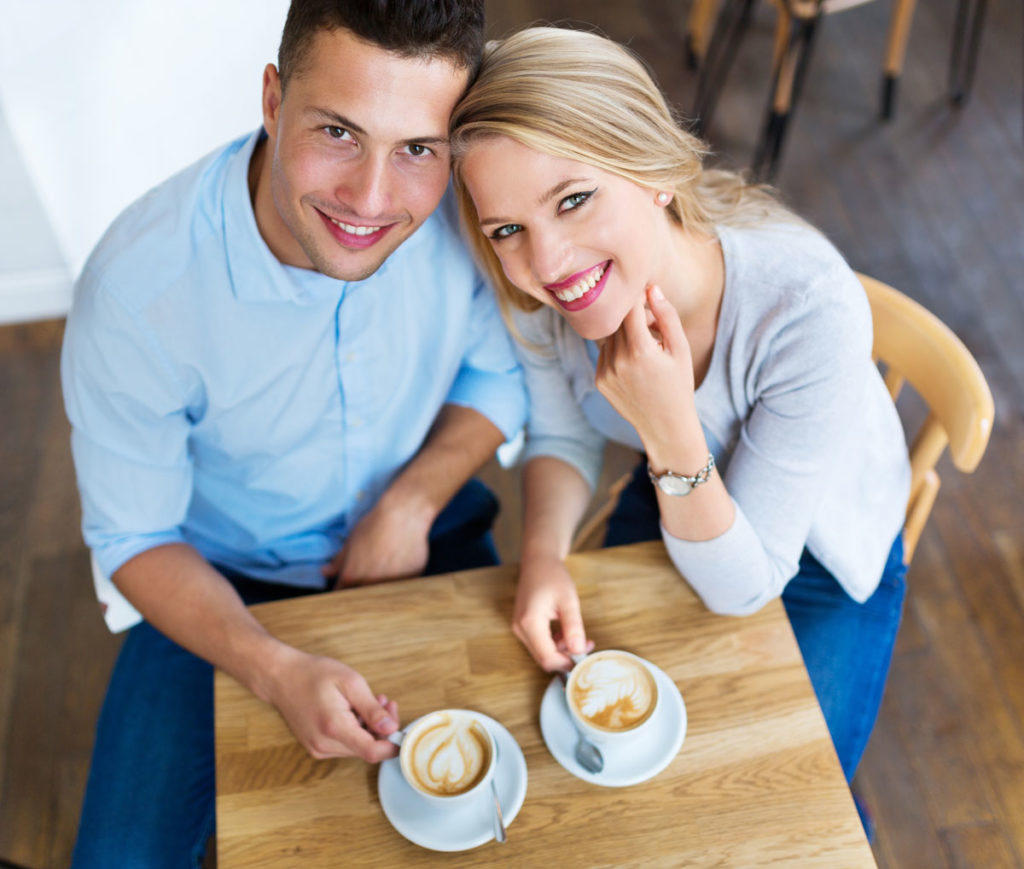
<point>791,288</point>
<point>788,267</point>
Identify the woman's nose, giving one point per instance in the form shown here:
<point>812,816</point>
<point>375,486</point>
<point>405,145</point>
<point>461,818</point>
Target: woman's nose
<point>550,257</point>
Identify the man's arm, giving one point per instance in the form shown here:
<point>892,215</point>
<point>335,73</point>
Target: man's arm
<point>321,699</point>
<point>390,541</point>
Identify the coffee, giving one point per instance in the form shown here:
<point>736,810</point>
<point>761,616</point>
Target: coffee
<point>446,753</point>
<point>612,691</point>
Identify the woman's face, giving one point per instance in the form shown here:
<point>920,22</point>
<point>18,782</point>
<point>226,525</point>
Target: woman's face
<point>579,239</point>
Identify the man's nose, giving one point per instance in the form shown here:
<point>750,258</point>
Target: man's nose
<point>365,187</point>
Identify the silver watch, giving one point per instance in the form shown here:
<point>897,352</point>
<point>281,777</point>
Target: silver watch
<point>672,483</point>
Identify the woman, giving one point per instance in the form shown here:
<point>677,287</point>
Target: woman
<point>685,313</point>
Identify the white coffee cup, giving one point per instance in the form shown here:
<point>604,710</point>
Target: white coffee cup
<point>612,696</point>
<point>448,756</point>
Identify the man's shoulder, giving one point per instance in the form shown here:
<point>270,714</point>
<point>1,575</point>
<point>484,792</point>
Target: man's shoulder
<point>156,239</point>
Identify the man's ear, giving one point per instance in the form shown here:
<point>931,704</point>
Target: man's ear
<point>271,99</point>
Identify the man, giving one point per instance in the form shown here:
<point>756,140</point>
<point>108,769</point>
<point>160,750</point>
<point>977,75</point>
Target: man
<point>280,368</point>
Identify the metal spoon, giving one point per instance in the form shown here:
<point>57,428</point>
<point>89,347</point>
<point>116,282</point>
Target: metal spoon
<point>499,821</point>
<point>588,755</point>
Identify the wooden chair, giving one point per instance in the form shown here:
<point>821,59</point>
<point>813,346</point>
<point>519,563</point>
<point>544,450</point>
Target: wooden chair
<point>916,347</point>
<point>795,28</point>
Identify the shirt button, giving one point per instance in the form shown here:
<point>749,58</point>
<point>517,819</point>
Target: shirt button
<point>355,422</point>
<point>350,357</point>
<point>360,495</point>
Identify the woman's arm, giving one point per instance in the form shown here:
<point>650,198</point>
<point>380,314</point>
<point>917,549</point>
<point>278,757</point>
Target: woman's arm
<point>555,496</point>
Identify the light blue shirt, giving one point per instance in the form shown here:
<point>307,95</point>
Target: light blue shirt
<point>255,410</point>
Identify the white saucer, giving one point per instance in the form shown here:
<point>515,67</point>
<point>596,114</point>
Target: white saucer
<point>625,765</point>
<point>465,826</point>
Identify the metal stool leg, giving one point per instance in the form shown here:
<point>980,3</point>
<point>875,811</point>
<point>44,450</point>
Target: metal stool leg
<point>970,17</point>
<point>732,23</point>
<point>787,84</point>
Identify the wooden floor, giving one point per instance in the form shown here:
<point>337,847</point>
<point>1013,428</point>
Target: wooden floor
<point>932,203</point>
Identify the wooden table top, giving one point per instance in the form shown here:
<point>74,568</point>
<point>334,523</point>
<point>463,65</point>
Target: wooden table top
<point>756,782</point>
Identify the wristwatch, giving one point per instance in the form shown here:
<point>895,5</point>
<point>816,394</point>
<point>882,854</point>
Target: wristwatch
<point>672,483</point>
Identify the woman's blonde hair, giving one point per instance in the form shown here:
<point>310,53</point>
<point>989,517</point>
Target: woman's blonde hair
<point>582,96</point>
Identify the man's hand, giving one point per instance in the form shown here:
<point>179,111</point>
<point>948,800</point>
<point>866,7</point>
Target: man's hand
<point>330,709</point>
<point>389,542</point>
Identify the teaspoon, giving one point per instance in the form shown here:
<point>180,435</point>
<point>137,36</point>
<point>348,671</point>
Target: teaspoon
<point>588,755</point>
<point>499,821</point>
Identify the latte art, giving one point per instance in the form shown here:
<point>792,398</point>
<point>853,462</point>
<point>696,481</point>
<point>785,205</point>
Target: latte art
<point>447,754</point>
<point>612,691</point>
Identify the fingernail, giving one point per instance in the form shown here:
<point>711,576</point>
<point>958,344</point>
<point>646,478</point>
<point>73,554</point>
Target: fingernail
<point>657,293</point>
<point>387,721</point>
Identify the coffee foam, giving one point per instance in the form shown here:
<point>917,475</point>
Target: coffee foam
<point>448,754</point>
<point>613,692</point>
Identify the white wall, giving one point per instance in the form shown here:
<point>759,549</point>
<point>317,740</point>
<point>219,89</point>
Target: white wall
<point>105,98</point>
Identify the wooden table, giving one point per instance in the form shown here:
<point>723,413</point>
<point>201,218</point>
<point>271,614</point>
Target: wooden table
<point>755,784</point>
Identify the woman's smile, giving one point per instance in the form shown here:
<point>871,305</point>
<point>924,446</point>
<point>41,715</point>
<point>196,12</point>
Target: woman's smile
<point>581,289</point>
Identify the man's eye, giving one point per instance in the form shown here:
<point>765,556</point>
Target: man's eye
<point>505,231</point>
<point>418,150</point>
<point>574,200</point>
<point>338,132</point>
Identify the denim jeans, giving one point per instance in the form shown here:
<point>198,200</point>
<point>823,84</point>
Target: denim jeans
<point>149,800</point>
<point>846,646</point>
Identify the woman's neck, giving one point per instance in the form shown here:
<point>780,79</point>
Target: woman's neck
<point>694,279</point>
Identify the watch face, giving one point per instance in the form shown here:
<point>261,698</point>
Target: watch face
<point>674,485</point>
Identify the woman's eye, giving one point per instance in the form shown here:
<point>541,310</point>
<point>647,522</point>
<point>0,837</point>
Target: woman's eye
<point>505,231</point>
<point>574,200</point>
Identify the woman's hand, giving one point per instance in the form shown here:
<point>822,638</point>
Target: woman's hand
<point>645,370</point>
<point>547,593</point>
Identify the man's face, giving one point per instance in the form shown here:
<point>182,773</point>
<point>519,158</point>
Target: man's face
<point>357,156</point>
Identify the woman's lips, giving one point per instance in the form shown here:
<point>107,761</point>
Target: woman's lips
<point>581,289</point>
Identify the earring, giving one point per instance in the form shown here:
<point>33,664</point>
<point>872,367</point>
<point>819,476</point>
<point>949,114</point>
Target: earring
<point>663,198</point>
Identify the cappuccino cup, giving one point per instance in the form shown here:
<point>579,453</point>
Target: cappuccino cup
<point>448,756</point>
<point>612,696</point>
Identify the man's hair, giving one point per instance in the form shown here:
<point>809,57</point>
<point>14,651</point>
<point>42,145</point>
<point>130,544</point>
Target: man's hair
<point>449,29</point>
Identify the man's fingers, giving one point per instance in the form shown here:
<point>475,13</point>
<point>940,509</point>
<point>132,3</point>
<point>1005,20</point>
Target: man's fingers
<point>377,717</point>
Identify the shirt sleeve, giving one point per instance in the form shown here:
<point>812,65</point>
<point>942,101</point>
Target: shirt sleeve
<point>557,426</point>
<point>129,430</point>
<point>490,380</point>
<point>809,389</point>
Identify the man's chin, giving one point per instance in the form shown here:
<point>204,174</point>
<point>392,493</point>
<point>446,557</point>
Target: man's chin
<point>354,267</point>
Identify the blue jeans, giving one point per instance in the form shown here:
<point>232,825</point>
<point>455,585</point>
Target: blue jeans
<point>149,800</point>
<point>847,646</point>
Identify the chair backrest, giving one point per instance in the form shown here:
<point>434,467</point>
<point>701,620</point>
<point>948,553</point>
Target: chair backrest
<point>916,347</point>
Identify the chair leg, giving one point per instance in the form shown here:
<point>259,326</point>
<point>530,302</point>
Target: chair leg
<point>787,84</point>
<point>702,13</point>
<point>970,16</point>
<point>895,53</point>
<point>733,21</point>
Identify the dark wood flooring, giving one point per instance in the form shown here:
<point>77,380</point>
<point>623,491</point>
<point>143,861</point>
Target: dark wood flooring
<point>932,203</point>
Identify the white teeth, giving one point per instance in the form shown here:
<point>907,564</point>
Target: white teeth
<point>584,284</point>
<point>356,230</point>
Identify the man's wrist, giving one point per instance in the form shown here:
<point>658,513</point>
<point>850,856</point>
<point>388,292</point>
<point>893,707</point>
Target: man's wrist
<point>416,507</point>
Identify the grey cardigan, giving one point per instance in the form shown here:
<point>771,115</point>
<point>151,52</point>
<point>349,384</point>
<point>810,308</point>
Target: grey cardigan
<point>803,431</point>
